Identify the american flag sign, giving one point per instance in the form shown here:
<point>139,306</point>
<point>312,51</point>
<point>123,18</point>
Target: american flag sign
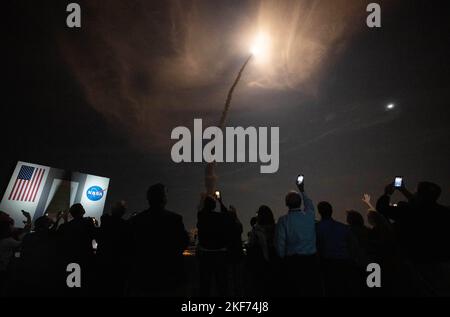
<point>27,184</point>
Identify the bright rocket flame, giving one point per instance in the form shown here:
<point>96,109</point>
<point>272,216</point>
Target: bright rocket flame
<point>260,46</point>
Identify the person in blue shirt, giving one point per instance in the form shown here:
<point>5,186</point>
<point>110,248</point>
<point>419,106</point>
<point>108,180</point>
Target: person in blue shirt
<point>296,234</point>
<point>295,243</point>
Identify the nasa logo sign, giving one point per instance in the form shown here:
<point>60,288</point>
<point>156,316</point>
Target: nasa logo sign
<point>94,193</point>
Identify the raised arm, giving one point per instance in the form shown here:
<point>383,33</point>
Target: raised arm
<point>59,216</point>
<point>366,200</point>
<point>27,223</point>
<point>307,202</point>
<point>408,195</point>
<point>223,208</point>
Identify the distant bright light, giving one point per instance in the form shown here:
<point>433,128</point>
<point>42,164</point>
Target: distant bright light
<point>390,106</point>
<point>260,46</point>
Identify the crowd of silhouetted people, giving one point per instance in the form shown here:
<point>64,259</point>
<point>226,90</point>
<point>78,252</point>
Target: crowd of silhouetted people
<point>297,255</point>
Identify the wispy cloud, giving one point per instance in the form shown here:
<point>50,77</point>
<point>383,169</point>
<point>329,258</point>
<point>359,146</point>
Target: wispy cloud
<point>150,66</point>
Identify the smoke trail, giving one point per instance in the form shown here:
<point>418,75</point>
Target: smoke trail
<point>223,118</point>
<point>210,175</point>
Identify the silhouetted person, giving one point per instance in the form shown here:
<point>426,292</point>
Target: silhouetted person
<point>77,236</point>
<point>421,223</point>
<point>262,236</point>
<point>383,251</point>
<point>262,254</point>
<point>235,250</point>
<point>334,242</point>
<point>382,241</point>
<point>114,250</point>
<point>253,221</point>
<point>160,239</point>
<point>39,260</point>
<point>333,237</point>
<point>359,230</point>
<point>296,244</point>
<point>360,250</point>
<point>214,239</point>
<point>10,241</point>
<point>7,247</point>
<point>75,243</point>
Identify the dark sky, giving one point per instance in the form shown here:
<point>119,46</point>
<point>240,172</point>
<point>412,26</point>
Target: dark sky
<point>103,99</point>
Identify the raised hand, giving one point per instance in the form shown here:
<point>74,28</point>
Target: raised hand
<point>366,199</point>
<point>27,223</point>
<point>27,216</point>
<point>405,191</point>
<point>66,215</point>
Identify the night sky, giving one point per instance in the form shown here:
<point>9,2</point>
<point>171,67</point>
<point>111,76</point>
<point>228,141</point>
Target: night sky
<point>103,99</point>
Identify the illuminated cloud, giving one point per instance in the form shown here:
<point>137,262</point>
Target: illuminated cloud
<point>148,67</point>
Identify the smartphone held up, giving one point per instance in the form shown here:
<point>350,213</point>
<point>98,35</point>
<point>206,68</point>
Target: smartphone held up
<point>398,182</point>
<point>300,179</point>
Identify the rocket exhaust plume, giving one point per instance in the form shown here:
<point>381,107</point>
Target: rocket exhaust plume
<point>223,118</point>
<point>210,175</point>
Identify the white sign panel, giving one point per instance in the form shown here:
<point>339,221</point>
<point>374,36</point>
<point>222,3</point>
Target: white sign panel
<point>94,195</point>
<point>40,189</point>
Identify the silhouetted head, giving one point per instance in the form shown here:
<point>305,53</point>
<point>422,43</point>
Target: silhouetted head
<point>325,209</point>
<point>157,195</point>
<point>253,221</point>
<point>77,211</point>
<point>5,218</point>
<point>42,223</point>
<point>209,204</point>
<point>265,216</point>
<point>293,200</point>
<point>428,192</point>
<point>354,218</point>
<point>119,209</point>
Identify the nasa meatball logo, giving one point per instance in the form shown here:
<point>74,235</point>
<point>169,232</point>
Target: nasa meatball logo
<point>94,193</point>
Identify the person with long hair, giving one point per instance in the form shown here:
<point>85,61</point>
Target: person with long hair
<point>262,251</point>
